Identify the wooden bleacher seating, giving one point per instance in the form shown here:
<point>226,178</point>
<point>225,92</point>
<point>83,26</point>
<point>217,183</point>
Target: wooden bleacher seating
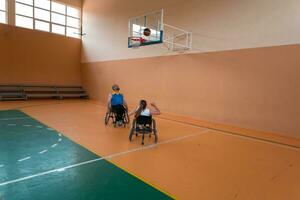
<point>24,92</point>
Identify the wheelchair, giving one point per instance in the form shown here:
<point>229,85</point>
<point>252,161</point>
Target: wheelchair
<point>110,115</point>
<point>143,125</point>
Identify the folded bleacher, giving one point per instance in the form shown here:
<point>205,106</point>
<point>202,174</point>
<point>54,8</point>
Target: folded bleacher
<point>25,92</point>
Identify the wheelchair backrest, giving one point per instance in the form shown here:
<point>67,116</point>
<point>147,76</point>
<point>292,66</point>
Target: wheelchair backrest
<point>144,120</point>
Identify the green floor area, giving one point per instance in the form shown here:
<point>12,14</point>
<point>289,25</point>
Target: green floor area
<point>39,163</point>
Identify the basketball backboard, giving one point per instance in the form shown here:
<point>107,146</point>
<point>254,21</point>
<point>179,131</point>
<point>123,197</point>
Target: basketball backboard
<point>137,26</point>
<point>149,29</point>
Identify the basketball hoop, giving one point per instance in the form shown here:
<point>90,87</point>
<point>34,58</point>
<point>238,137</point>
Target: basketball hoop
<point>150,29</point>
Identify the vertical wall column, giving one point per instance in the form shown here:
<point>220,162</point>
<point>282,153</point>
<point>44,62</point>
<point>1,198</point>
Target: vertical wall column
<point>11,12</point>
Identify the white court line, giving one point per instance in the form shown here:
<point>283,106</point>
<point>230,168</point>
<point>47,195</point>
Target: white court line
<point>1,166</point>
<point>154,145</point>
<point>23,159</point>
<point>54,145</point>
<point>13,118</point>
<point>257,140</point>
<point>59,140</point>
<point>99,159</point>
<point>27,125</point>
<point>237,135</point>
<point>50,129</point>
<point>42,152</point>
<point>49,172</point>
<point>59,135</point>
<point>245,137</point>
<point>39,126</point>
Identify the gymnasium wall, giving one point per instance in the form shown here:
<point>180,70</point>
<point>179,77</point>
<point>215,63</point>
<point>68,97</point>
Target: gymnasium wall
<point>216,25</point>
<point>243,71</point>
<point>35,57</point>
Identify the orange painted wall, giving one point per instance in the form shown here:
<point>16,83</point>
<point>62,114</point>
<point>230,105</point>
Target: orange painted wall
<point>35,57</point>
<point>252,88</point>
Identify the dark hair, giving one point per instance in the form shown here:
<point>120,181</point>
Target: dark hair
<point>147,29</point>
<point>142,106</point>
<point>115,87</point>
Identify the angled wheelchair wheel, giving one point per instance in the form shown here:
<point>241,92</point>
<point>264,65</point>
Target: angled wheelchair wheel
<point>143,138</point>
<point>126,118</point>
<point>154,130</point>
<point>155,137</point>
<point>106,119</point>
<point>131,134</point>
<point>113,117</point>
<point>132,131</point>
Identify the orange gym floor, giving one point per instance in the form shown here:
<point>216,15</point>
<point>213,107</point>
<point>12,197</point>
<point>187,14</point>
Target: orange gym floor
<point>192,159</point>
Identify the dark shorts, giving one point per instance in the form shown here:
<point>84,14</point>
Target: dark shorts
<point>119,110</point>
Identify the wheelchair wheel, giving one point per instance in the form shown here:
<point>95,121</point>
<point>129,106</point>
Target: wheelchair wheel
<point>132,131</point>
<point>126,118</point>
<point>131,134</point>
<point>154,130</point>
<point>106,119</point>
<point>155,136</point>
<point>113,117</point>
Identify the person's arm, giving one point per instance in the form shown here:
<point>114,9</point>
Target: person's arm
<point>133,111</point>
<point>155,110</point>
<point>109,101</point>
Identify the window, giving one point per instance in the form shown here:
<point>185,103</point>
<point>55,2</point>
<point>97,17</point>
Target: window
<point>50,16</point>
<point>3,11</point>
<point>73,22</point>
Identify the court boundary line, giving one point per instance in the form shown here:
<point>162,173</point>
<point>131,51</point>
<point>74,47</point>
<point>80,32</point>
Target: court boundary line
<point>224,132</point>
<point>220,131</point>
<point>13,118</point>
<point>110,161</point>
<point>114,155</point>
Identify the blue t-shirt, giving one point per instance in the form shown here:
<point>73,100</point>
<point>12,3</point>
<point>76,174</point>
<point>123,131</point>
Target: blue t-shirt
<point>117,99</point>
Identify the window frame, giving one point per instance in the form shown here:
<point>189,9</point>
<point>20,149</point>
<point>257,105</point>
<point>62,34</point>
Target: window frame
<point>50,22</point>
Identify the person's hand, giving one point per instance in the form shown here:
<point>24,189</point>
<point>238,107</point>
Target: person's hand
<point>153,104</point>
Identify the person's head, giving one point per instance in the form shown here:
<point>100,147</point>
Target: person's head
<point>143,104</point>
<point>115,88</point>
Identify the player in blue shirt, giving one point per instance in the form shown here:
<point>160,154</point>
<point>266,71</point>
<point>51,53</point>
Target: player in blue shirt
<point>116,103</point>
